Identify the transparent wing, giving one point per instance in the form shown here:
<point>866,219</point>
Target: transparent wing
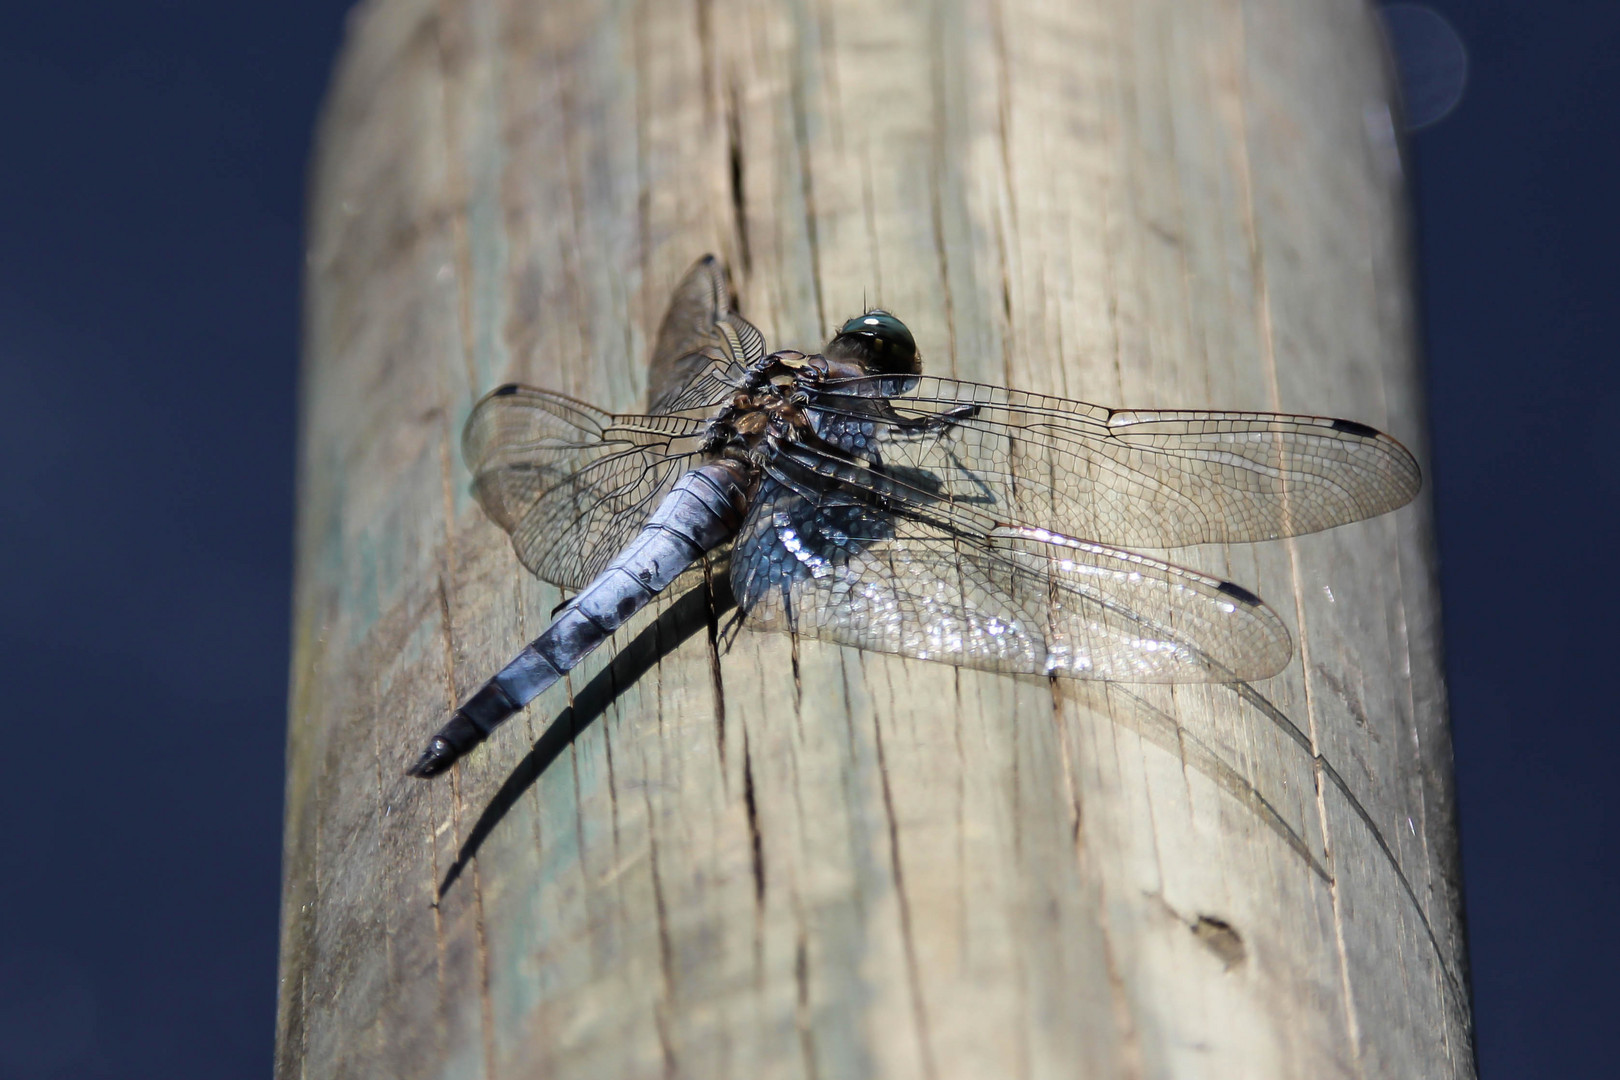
<point>572,484</point>
<point>821,559</point>
<point>1135,478</point>
<point>702,343</point>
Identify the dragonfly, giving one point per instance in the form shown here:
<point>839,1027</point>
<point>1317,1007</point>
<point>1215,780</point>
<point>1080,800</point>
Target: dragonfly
<point>849,498</point>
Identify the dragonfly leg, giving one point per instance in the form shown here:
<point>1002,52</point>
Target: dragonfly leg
<point>733,627</point>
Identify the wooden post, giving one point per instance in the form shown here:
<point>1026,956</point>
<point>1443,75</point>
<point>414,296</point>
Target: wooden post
<point>793,860</point>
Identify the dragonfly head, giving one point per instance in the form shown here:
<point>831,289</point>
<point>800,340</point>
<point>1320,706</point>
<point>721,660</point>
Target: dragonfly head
<point>880,343</point>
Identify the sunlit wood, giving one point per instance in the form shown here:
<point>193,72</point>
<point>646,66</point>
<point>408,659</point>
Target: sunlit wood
<point>788,859</point>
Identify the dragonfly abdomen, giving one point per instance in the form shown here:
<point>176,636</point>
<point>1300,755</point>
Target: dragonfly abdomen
<point>702,511</point>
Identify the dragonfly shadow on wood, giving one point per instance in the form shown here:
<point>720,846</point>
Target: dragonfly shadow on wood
<point>697,609</point>
<point>705,606</point>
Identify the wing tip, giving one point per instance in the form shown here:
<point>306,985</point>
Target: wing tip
<point>1263,662</point>
<point>1391,445</point>
<point>716,279</point>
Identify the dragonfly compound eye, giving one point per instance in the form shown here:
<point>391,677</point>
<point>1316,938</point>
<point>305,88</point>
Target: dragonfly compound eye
<point>882,341</point>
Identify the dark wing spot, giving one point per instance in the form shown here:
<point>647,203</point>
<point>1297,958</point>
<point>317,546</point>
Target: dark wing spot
<point>1239,593</point>
<point>1353,427</point>
<point>503,391</point>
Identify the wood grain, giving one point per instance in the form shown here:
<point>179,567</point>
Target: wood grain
<point>792,860</point>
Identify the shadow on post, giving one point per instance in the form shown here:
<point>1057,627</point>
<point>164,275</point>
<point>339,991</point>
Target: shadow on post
<point>697,609</point>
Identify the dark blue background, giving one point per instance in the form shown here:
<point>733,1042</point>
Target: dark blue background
<point>151,179</point>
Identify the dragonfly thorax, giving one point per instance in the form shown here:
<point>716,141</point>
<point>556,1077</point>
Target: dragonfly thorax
<point>747,424</point>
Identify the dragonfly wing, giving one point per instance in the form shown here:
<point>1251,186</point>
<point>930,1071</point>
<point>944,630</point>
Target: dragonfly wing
<point>571,484</point>
<point>1135,478</point>
<point>833,566</point>
<point>702,343</point>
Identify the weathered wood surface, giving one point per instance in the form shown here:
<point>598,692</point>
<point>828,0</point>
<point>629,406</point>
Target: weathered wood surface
<point>791,860</point>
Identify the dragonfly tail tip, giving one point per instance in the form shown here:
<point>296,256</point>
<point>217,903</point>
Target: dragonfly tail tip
<point>438,757</point>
